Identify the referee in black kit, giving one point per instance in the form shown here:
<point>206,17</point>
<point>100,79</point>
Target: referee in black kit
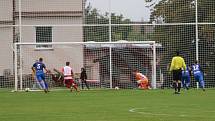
<point>177,64</point>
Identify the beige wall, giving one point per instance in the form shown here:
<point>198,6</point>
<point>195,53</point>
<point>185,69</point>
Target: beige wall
<point>64,12</point>
<point>50,5</point>
<point>56,57</point>
<point>6,10</point>
<point>51,20</point>
<point>6,52</point>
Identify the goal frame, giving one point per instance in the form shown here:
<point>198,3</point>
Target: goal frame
<point>19,76</point>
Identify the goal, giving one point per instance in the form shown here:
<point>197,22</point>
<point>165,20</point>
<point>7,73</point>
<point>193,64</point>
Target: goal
<point>108,64</point>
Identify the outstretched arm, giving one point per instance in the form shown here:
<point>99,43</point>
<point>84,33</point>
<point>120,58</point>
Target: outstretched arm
<point>47,71</point>
<point>60,73</point>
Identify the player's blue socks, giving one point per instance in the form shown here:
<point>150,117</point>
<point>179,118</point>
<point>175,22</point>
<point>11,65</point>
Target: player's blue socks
<point>43,84</point>
<point>202,84</point>
<point>187,86</point>
<point>46,86</point>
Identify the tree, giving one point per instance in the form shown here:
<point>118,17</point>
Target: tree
<point>101,33</point>
<point>183,37</point>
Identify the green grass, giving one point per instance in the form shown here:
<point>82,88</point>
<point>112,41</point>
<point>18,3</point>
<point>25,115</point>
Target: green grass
<point>108,105</point>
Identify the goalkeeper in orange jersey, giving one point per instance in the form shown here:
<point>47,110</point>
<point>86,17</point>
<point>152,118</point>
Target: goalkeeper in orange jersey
<point>142,80</point>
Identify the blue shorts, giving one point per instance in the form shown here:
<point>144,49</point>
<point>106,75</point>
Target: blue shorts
<point>186,78</point>
<point>198,77</point>
<point>40,77</point>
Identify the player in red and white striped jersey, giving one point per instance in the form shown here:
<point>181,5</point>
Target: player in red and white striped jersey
<point>68,77</point>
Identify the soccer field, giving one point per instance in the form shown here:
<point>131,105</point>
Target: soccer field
<point>108,105</point>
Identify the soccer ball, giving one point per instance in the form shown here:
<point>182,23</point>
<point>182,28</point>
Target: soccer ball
<point>27,89</point>
<point>116,88</point>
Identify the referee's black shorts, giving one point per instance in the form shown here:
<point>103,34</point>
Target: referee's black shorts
<point>177,75</point>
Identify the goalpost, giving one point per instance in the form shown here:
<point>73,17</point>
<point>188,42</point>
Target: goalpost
<point>108,64</point>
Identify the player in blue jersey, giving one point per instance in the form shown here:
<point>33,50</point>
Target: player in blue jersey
<point>40,75</point>
<point>186,78</point>
<point>36,83</point>
<point>198,74</point>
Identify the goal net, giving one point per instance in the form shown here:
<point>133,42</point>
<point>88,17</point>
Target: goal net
<point>107,64</point>
<point>187,26</point>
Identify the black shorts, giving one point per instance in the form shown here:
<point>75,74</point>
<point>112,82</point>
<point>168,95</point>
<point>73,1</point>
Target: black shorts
<point>177,75</point>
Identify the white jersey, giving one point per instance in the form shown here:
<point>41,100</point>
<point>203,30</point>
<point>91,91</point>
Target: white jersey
<point>67,72</point>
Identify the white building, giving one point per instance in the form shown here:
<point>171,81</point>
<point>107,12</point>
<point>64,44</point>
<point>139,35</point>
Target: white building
<point>41,21</point>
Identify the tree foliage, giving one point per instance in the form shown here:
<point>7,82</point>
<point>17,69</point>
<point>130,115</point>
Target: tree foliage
<point>183,37</point>
<point>100,29</point>
<point>100,32</point>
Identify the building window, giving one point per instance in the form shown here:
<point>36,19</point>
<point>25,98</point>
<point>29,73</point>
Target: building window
<point>43,35</point>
